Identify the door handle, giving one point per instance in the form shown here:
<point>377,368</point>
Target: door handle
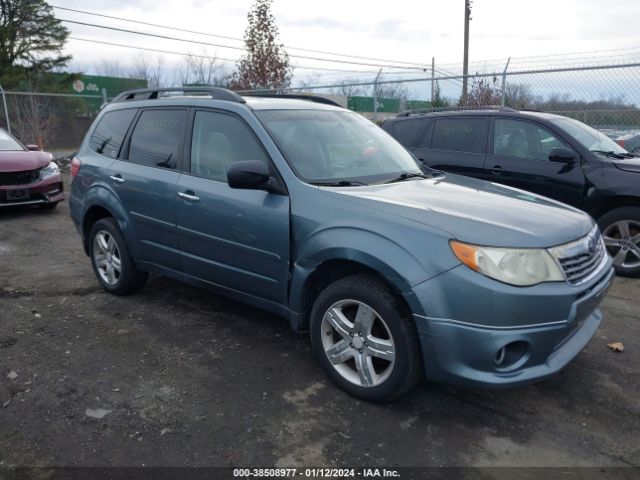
<point>117,178</point>
<point>188,196</point>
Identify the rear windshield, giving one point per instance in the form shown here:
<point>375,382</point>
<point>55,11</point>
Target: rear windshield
<point>8,143</point>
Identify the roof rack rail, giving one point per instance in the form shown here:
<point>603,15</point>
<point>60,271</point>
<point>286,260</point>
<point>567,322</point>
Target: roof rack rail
<point>311,98</point>
<point>216,93</point>
<point>500,108</point>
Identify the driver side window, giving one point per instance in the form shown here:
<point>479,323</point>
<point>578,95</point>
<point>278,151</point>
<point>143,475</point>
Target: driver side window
<point>218,140</point>
<point>515,138</point>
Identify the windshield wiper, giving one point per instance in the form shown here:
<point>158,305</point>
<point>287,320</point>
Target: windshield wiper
<point>406,176</point>
<point>340,183</point>
<point>610,153</point>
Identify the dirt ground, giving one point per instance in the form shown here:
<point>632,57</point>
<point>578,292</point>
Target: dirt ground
<point>192,379</point>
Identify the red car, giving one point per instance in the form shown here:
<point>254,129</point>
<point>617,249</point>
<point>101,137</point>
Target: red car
<point>28,176</point>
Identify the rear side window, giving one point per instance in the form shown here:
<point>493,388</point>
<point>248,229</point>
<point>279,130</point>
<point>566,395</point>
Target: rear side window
<point>107,137</point>
<point>407,131</point>
<point>460,134</point>
<point>155,140</point>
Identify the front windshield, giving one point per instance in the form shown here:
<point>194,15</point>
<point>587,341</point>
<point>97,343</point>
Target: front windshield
<point>8,143</point>
<point>329,146</point>
<point>589,137</point>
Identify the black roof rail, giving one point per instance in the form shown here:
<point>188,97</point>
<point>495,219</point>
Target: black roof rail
<point>500,108</point>
<point>311,98</point>
<point>216,93</point>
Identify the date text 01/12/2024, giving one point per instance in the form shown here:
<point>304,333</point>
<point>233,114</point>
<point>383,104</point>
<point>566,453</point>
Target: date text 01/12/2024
<point>315,473</point>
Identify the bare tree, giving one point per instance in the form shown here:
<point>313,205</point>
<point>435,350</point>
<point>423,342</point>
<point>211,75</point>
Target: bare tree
<point>202,70</point>
<point>483,92</point>
<point>154,73</point>
<point>111,68</point>
<point>33,120</point>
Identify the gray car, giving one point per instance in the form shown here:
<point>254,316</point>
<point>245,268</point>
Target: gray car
<point>302,208</point>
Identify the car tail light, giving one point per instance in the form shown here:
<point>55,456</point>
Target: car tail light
<point>620,142</point>
<point>75,167</point>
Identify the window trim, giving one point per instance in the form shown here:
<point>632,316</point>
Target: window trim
<point>127,143</point>
<point>491,143</point>
<point>186,164</point>
<point>126,133</point>
<point>485,142</point>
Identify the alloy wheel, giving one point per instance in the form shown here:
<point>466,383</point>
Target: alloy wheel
<point>358,343</point>
<point>622,240</point>
<point>106,257</point>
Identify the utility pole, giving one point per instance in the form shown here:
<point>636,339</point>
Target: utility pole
<point>465,66</point>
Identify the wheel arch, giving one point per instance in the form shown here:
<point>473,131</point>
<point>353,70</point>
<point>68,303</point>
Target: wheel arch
<point>603,205</point>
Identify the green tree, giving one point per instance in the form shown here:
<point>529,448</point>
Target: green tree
<point>31,40</point>
<point>266,63</point>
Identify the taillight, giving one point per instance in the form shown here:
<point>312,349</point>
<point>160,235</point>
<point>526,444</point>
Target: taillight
<point>620,142</point>
<point>75,167</point>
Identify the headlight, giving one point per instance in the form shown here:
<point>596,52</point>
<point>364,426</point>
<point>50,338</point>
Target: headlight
<point>515,266</point>
<point>49,171</point>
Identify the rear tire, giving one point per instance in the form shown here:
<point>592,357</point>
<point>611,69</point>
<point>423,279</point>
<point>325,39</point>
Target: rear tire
<point>620,228</point>
<point>370,337</point>
<point>111,261</point>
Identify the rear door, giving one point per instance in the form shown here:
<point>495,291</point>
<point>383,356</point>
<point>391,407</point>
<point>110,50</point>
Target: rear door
<point>455,144</point>
<point>145,181</point>
<point>234,238</point>
<point>519,157</point>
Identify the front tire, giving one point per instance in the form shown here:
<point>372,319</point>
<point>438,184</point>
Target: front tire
<point>111,261</point>
<point>365,339</point>
<point>621,231</point>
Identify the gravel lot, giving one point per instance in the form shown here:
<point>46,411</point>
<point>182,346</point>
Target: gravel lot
<point>190,378</point>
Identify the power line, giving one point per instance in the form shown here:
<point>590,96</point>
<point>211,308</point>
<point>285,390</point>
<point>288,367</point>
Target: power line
<point>170,52</point>
<point>407,63</point>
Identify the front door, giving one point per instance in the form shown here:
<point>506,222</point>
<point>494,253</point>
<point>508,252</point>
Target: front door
<point>520,158</point>
<point>234,238</point>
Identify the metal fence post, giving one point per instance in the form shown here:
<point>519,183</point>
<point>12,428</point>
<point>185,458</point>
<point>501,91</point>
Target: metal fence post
<point>433,77</point>
<point>105,100</point>
<point>504,82</point>
<point>375,96</point>
<point>6,110</point>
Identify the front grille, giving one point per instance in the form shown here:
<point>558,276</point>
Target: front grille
<point>580,259</point>
<point>19,178</point>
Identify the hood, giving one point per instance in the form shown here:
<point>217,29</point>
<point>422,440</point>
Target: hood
<point>476,211</point>
<point>18,161</point>
<point>628,164</point>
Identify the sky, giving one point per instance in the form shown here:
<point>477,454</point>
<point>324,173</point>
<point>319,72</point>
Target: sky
<point>400,30</point>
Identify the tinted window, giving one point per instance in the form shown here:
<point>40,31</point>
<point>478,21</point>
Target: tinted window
<point>407,131</point>
<point>218,141</point>
<point>155,140</point>
<point>108,135</point>
<point>459,134</point>
<point>515,138</point>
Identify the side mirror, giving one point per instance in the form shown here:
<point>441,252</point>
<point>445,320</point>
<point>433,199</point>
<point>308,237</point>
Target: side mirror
<point>562,155</point>
<point>33,148</point>
<point>249,174</point>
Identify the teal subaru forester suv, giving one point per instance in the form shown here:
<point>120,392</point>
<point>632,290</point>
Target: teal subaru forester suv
<point>300,207</point>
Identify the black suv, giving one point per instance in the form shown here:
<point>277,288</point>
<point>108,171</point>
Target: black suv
<point>547,154</point>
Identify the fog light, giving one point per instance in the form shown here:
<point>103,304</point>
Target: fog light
<point>511,355</point>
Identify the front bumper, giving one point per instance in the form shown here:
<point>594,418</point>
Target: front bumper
<point>50,190</point>
<point>471,318</point>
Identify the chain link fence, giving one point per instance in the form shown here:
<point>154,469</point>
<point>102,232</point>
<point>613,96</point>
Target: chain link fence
<point>605,96</point>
